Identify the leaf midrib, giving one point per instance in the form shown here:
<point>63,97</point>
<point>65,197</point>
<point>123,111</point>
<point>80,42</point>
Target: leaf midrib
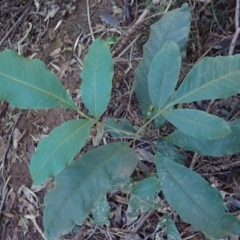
<point>38,89</point>
<point>84,179</point>
<point>204,86</point>
<point>61,143</point>
<point>190,121</point>
<point>189,195</point>
<point>95,83</point>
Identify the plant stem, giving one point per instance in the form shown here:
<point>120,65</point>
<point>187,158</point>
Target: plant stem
<point>83,114</point>
<point>237,29</point>
<point>157,114</point>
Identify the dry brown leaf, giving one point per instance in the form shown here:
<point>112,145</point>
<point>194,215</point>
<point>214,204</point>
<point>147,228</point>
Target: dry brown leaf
<point>16,137</point>
<point>118,215</point>
<point>145,155</point>
<point>96,140</point>
<point>80,48</point>
<point>23,223</point>
<point>63,70</point>
<point>53,11</point>
<point>31,197</point>
<point>8,214</point>
<point>55,52</point>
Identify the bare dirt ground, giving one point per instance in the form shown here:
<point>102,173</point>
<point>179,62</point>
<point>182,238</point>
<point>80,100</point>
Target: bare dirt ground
<point>59,33</point>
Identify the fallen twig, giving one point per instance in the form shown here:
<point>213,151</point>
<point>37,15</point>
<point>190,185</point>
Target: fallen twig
<point>237,29</point>
<point>5,182</point>
<point>124,40</point>
<point>19,21</point>
<point>89,21</point>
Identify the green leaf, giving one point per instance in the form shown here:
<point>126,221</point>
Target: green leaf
<point>197,123</point>
<point>83,183</point>
<point>111,40</point>
<point>216,148</point>
<point>167,149</point>
<point>128,186</point>
<point>171,229</point>
<point>96,77</point>
<point>211,78</point>
<point>163,74</point>
<point>143,197</point>
<point>139,205</point>
<point>194,199</point>
<point>146,187</point>
<point>119,127</point>
<point>101,212</point>
<point>58,149</point>
<point>27,83</point>
<point>173,26</point>
<point>159,120</point>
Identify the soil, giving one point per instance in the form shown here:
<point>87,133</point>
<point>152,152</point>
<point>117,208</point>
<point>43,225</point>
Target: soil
<point>62,41</point>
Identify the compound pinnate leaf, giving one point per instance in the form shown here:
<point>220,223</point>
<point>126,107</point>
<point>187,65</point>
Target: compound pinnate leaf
<point>58,149</point>
<point>194,199</point>
<point>163,74</point>
<point>27,83</point>
<point>96,77</point>
<point>173,26</point>
<point>216,148</point>
<point>211,78</point>
<point>81,184</point>
<point>197,123</point>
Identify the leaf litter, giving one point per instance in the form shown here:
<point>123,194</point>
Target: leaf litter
<point>22,209</point>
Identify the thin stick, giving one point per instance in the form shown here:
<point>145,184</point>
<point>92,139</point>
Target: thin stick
<point>210,105</point>
<point>237,31</point>
<point>122,42</point>
<point>237,15</point>
<point>142,17</point>
<point>130,45</point>
<point>141,222</point>
<point>8,145</point>
<point>89,21</point>
<point>19,21</point>
<point>194,160</point>
<point>5,189</point>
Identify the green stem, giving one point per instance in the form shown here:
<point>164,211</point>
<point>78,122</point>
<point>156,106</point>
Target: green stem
<point>157,114</point>
<point>149,121</point>
<point>84,115</point>
<point>75,108</point>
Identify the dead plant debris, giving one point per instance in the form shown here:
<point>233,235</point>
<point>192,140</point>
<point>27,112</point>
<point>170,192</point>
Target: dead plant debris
<point>59,33</point>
